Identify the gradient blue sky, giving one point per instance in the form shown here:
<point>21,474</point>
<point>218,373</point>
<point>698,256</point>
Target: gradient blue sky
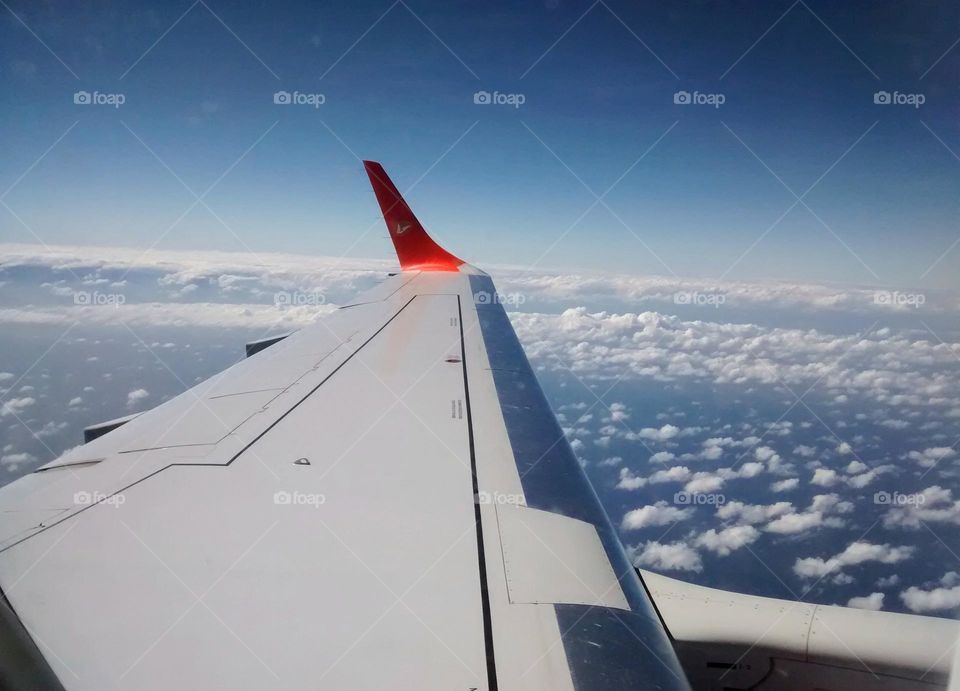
<point>497,184</point>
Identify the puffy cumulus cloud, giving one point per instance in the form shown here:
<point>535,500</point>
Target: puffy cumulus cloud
<point>795,523</point>
<point>704,482</point>
<point>855,553</point>
<point>781,518</point>
<point>680,473</point>
<point>610,461</point>
<point>727,540</point>
<point>825,477</point>
<point>629,481</point>
<point>660,513</point>
<point>933,505</point>
<point>945,596</point>
<point>135,396</point>
<point>672,556</point>
<point>12,461</point>
<point>891,368</point>
<point>16,406</point>
<point>665,433</point>
<point>749,514</point>
<point>855,467</point>
<point>931,456</point>
<point>662,457</point>
<point>888,581</point>
<point>787,485</point>
<point>872,601</point>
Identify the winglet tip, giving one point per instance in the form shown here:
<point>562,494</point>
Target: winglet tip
<point>415,248</point>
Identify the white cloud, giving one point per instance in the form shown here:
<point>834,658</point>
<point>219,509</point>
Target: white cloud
<point>135,396</point>
<point>704,482</point>
<point>787,485</point>
<point>629,481</point>
<point>752,513</point>
<point>663,434</point>
<point>930,457</point>
<point>855,467</point>
<point>872,601</point>
<point>653,515</point>
<point>16,406</point>
<point>662,457</point>
<point>855,553</point>
<point>897,369</point>
<point>795,523</point>
<point>824,477</point>
<point>13,461</point>
<point>728,540</point>
<point>933,505</point>
<point>888,581</point>
<point>673,556</point>
<point>678,473</point>
<point>937,599</point>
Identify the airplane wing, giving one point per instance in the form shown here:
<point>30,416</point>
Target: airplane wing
<point>381,500</point>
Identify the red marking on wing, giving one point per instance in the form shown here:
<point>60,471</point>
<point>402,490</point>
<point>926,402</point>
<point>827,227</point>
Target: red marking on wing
<point>415,248</point>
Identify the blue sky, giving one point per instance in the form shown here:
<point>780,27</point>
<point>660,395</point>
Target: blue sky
<point>696,190</point>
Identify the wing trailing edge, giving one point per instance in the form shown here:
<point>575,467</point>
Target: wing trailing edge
<point>415,248</point>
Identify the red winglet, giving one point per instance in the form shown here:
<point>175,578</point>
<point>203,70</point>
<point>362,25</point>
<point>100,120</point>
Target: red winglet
<point>415,249</point>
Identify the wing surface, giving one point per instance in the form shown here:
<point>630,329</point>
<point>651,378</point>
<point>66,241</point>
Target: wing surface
<point>381,500</point>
